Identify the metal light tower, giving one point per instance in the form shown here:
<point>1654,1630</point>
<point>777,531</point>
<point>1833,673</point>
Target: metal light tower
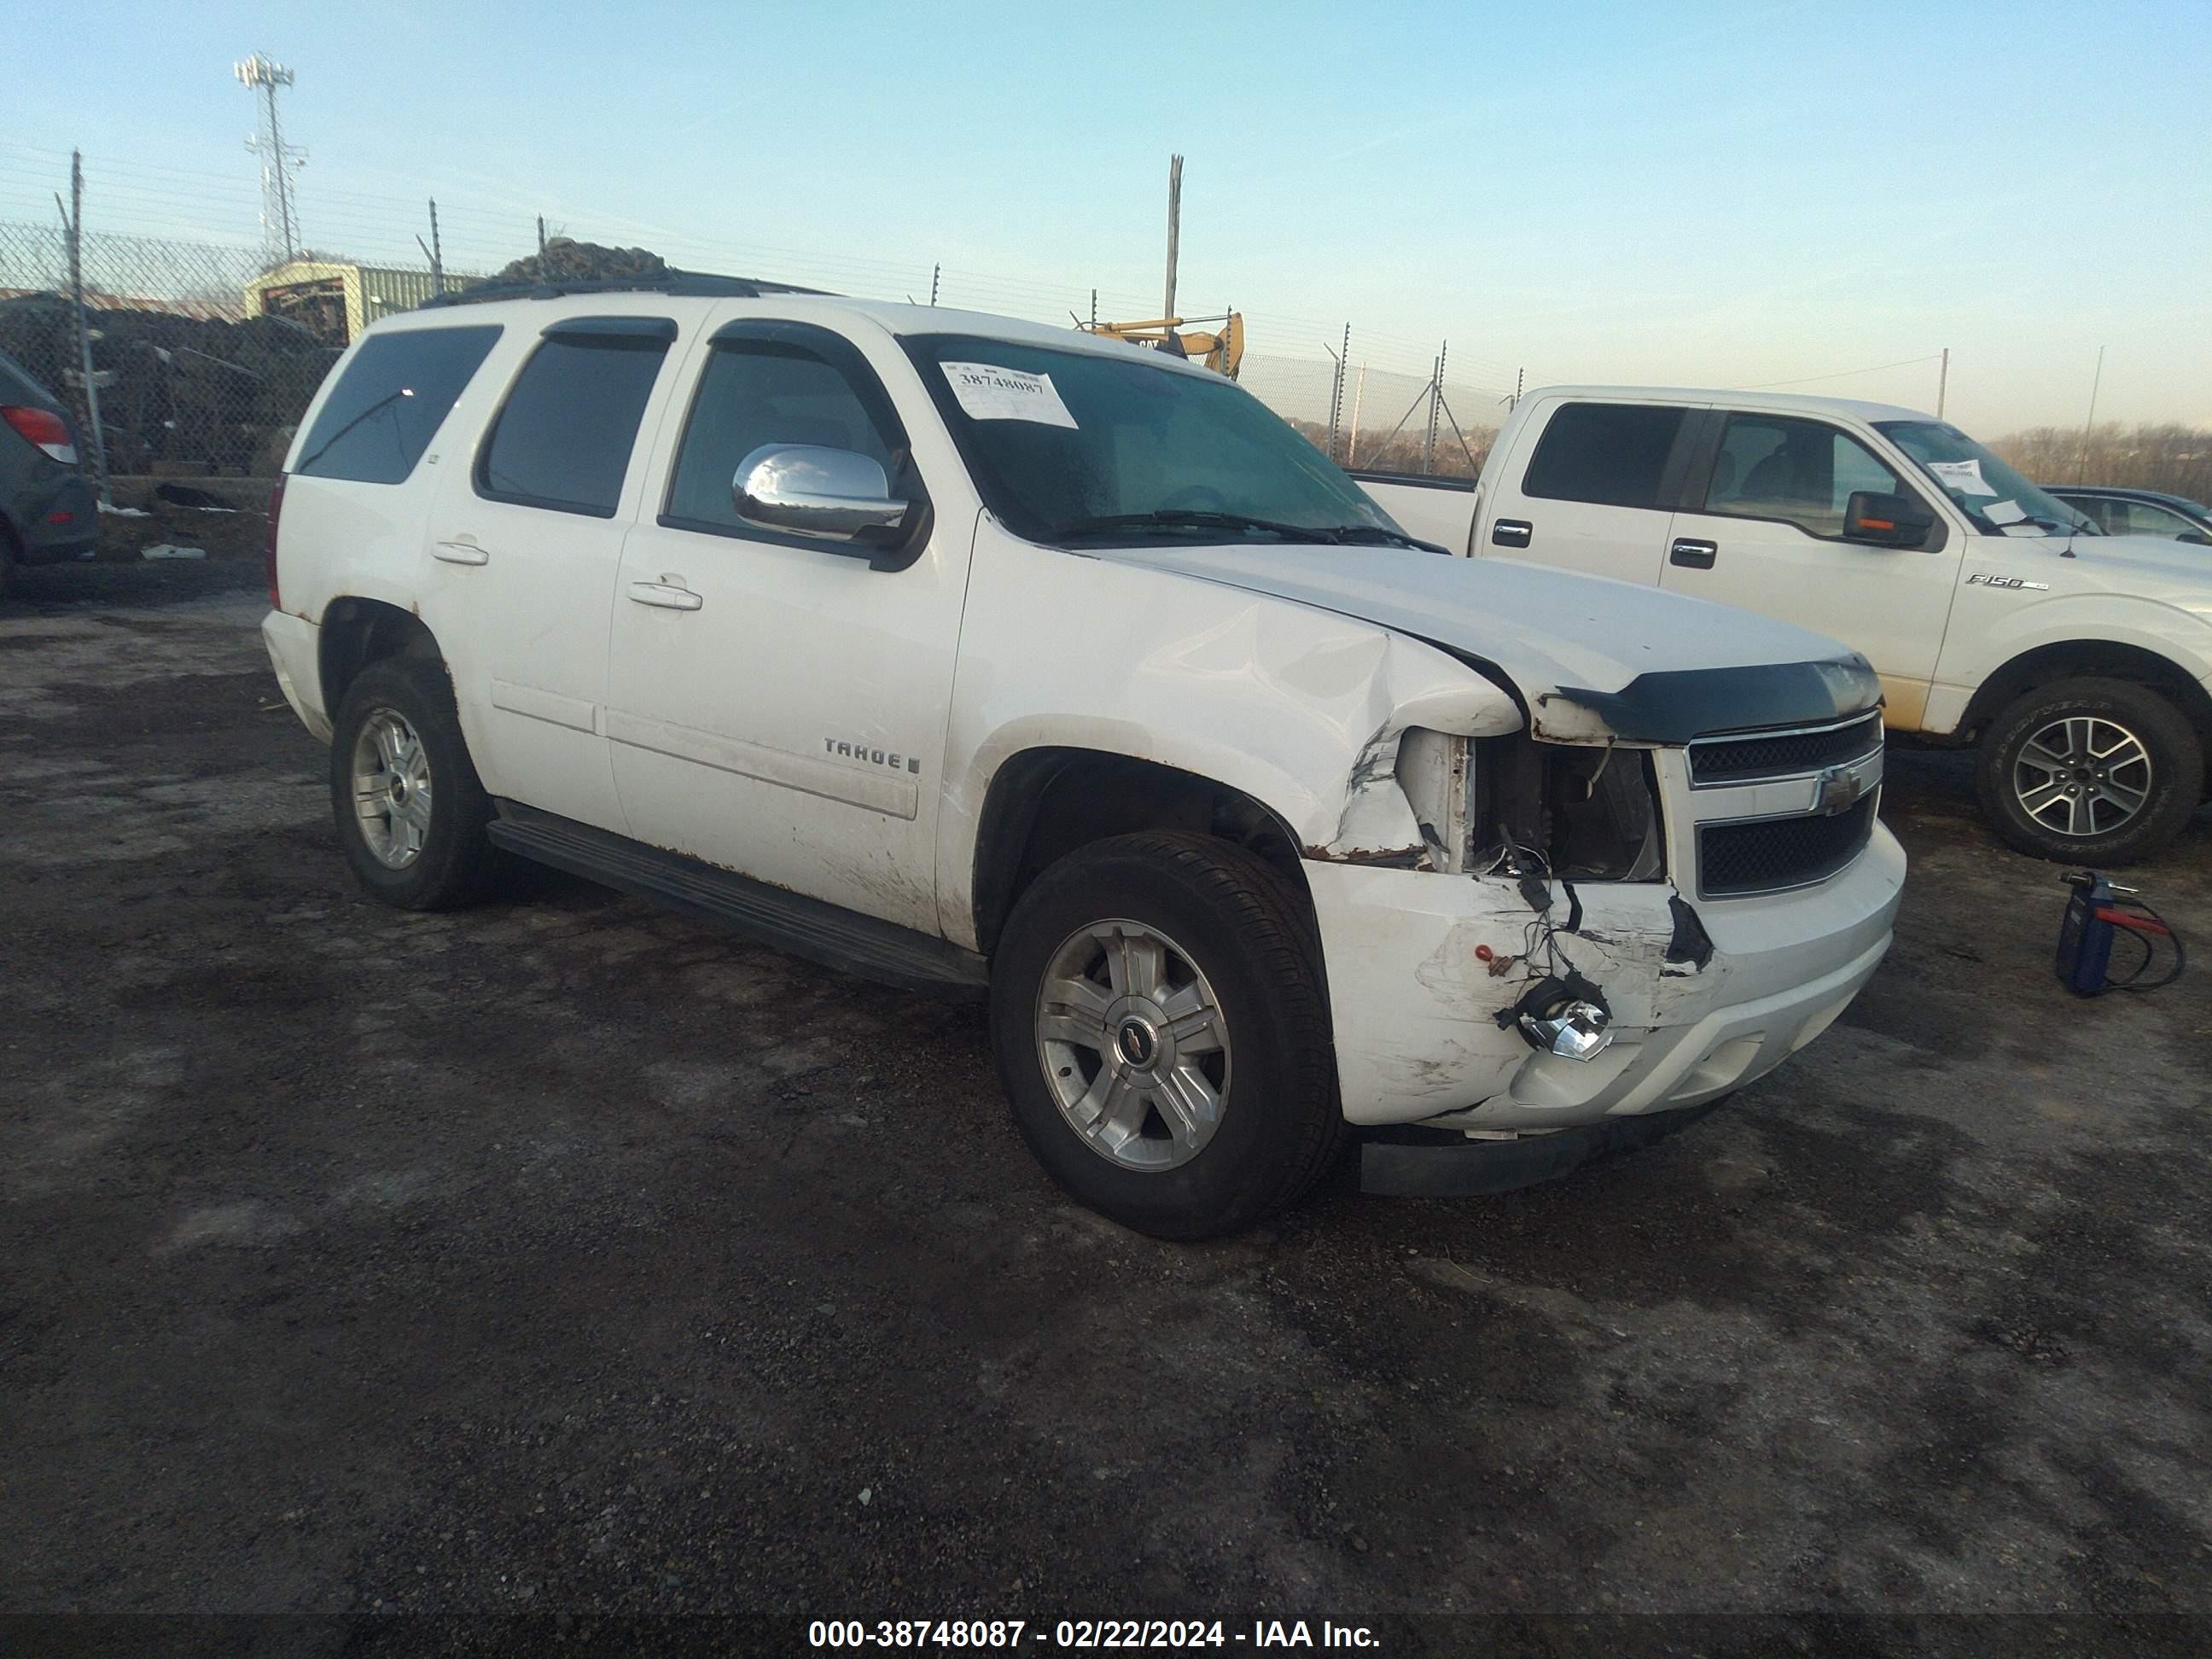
<point>279,221</point>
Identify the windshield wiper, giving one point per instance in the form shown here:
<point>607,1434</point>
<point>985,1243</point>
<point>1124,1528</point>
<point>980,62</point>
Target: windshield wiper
<point>1376,535</point>
<point>1180,520</point>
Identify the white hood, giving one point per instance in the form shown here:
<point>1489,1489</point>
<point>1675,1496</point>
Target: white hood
<point>1652,665</point>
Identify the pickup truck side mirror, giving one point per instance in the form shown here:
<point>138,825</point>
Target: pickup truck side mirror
<point>1886,520</point>
<point>804,490</point>
<point>2196,536</point>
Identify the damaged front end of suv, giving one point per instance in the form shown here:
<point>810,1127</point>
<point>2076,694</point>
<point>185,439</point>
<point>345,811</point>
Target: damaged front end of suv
<point>1660,897</point>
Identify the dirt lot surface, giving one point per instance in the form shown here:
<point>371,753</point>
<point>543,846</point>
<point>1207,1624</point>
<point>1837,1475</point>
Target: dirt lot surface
<point>567,1257</point>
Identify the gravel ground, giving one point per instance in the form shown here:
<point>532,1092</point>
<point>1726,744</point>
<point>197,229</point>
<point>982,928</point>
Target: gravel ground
<point>564,1256</point>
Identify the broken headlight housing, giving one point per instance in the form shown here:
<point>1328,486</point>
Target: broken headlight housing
<point>1586,813</point>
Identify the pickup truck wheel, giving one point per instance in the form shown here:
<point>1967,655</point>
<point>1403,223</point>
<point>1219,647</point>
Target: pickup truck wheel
<point>1159,1024</point>
<point>2090,771</point>
<point>410,811</point>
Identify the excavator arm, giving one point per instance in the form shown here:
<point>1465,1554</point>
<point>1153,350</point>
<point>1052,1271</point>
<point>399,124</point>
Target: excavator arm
<point>1220,351</point>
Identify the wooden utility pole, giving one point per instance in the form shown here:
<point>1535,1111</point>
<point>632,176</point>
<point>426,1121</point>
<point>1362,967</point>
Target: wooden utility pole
<point>1175,230</point>
<point>1942,382</point>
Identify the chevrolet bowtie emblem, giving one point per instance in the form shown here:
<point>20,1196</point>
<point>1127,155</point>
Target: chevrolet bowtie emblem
<point>1837,790</point>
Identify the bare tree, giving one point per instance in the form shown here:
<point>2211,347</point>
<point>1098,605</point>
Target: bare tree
<point>2165,456</point>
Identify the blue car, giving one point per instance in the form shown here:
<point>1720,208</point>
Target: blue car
<point>48,512</point>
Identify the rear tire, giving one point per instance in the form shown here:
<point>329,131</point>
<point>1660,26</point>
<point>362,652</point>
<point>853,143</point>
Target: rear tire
<point>2096,772</point>
<point>1187,1086</point>
<point>396,742</point>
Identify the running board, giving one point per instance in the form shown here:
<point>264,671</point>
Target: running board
<point>827,933</point>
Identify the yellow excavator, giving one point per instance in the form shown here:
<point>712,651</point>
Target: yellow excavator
<point>1220,351</point>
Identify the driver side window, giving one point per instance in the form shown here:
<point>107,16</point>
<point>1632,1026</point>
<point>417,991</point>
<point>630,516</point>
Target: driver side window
<point>753,393</point>
<point>1801,473</point>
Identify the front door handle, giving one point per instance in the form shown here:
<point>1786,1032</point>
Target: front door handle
<point>669,593</point>
<point>460,553</point>
<point>1511,533</point>
<point>1693,554</point>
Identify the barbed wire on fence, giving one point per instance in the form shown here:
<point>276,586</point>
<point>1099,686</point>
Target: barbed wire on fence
<point>204,358</point>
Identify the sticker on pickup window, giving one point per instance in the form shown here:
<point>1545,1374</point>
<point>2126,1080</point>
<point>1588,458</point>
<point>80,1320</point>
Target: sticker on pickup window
<point>1965,476</point>
<point>987,393</point>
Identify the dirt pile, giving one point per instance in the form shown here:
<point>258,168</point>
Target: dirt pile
<point>568,261</point>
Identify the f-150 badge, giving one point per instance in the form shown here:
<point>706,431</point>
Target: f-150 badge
<point>1978,580</point>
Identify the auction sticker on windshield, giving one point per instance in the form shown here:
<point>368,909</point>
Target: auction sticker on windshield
<point>987,393</point>
<point>1960,475</point>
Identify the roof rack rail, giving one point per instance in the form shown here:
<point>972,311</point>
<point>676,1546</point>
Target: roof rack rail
<point>690,284</point>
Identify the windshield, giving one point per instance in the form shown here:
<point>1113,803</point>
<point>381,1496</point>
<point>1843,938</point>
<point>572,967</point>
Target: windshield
<point>1104,449</point>
<point>1997,499</point>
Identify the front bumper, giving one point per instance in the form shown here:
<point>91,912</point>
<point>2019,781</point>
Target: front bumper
<point>1414,1006</point>
<point>295,653</point>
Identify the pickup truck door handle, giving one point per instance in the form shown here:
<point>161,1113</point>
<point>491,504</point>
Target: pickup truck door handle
<point>1695,555</point>
<point>1511,533</point>
<point>669,593</point>
<point>460,553</point>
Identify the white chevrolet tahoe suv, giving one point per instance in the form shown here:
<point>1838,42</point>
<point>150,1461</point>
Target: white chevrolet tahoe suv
<point>2078,663</point>
<point>1013,662</point>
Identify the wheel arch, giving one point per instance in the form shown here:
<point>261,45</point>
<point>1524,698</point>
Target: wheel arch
<point>2089,659</point>
<point>356,632</point>
<point>1045,802</point>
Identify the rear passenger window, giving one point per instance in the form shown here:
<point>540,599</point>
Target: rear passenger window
<point>758,393</point>
<point>1614,454</point>
<point>564,439</point>
<point>387,406</point>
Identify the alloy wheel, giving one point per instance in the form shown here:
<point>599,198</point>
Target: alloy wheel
<point>2082,775</point>
<point>1134,1044</point>
<point>391,788</point>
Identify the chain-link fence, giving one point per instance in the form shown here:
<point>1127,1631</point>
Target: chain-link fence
<point>204,354</point>
<point>188,380</point>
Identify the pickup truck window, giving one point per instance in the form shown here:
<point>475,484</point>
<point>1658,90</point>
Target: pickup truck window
<point>1612,454</point>
<point>387,406</point>
<point>562,441</point>
<point>1997,499</point>
<point>760,391</point>
<point>1143,439</point>
<point>1801,473</point>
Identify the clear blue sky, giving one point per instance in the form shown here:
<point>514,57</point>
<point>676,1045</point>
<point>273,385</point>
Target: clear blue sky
<point>1724,193</point>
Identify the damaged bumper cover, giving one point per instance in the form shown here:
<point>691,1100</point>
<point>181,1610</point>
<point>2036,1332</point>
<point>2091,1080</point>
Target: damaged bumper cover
<point>1415,987</point>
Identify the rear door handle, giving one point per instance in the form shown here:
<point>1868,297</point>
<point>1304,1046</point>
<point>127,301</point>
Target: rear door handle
<point>460,553</point>
<point>1511,533</point>
<point>1693,554</point>
<point>668,595</point>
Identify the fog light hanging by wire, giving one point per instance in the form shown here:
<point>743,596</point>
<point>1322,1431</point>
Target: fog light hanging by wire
<point>1564,1016</point>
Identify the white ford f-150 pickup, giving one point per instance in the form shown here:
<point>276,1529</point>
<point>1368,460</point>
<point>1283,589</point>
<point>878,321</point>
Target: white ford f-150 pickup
<point>2080,663</point>
<point>994,658</point>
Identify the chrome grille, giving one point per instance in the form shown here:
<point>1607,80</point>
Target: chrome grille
<point>1745,757</point>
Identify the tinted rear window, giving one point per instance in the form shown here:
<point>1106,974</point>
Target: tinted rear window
<point>1611,453</point>
<point>387,406</point>
<point>564,440</point>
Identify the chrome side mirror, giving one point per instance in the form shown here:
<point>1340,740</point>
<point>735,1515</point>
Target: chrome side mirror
<point>804,490</point>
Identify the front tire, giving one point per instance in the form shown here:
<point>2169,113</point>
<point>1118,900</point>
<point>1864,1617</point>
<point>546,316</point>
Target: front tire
<point>1159,1024</point>
<point>409,808</point>
<point>2097,772</point>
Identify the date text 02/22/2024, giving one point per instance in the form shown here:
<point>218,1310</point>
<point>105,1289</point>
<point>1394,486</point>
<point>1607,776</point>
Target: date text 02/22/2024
<point>1085,1633</point>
